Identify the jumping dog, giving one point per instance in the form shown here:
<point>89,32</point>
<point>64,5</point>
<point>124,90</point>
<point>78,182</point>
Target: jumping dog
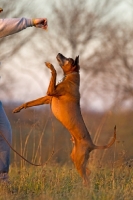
<point>65,104</point>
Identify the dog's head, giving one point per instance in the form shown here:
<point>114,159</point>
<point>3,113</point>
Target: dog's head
<point>68,64</point>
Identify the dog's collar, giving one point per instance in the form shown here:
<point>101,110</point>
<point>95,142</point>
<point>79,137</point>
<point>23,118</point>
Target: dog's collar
<point>66,76</point>
<point>71,73</point>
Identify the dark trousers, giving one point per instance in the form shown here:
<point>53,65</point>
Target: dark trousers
<point>5,129</point>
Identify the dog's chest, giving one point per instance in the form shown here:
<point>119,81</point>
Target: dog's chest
<point>59,106</point>
<point>68,113</point>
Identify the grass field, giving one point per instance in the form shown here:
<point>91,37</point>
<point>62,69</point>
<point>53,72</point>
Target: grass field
<point>57,182</point>
<point>35,138</point>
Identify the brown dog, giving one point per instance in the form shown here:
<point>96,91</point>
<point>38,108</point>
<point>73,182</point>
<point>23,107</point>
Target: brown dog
<point>65,104</point>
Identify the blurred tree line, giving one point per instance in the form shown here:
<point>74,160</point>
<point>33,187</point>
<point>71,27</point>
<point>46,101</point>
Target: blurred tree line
<point>96,30</point>
<point>41,138</point>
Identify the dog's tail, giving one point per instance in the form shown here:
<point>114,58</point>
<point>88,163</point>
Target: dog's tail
<point>109,144</point>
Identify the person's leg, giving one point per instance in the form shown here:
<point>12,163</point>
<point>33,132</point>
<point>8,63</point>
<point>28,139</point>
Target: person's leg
<point>5,129</point>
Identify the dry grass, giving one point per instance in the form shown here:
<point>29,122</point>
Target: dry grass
<point>56,182</point>
<point>37,138</point>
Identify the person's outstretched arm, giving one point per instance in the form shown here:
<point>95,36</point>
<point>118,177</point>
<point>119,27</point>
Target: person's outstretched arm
<point>14,25</point>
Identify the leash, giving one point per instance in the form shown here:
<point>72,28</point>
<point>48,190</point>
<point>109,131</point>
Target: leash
<point>17,152</point>
<point>37,165</point>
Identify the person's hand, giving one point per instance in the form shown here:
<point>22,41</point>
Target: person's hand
<point>1,10</point>
<point>40,23</point>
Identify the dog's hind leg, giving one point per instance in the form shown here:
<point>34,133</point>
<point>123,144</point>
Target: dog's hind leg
<point>80,159</point>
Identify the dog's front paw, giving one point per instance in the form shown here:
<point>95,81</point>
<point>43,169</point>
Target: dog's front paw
<point>16,110</point>
<point>50,66</point>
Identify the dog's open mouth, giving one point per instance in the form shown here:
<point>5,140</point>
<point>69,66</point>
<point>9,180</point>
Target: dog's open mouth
<point>58,58</point>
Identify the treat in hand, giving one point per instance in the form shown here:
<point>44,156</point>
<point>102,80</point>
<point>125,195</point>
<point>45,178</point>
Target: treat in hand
<point>1,10</point>
<point>40,23</point>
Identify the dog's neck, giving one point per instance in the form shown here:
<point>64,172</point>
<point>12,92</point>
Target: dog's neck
<point>66,75</point>
<point>70,73</point>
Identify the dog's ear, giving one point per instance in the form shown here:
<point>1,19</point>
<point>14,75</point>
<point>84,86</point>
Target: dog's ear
<point>76,62</point>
